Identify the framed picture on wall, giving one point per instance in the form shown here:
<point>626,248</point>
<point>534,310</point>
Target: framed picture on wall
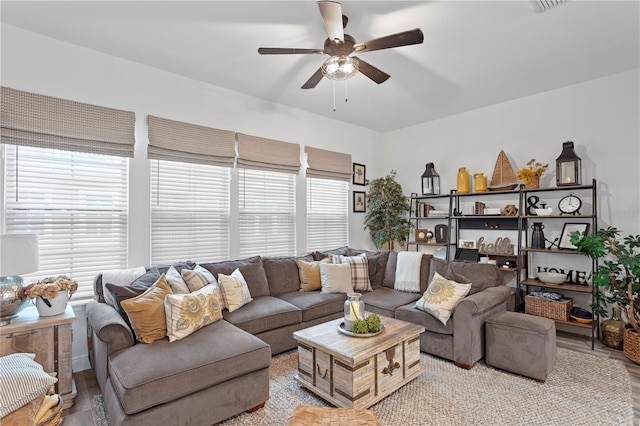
<point>359,174</point>
<point>467,244</point>
<point>567,230</point>
<point>359,201</point>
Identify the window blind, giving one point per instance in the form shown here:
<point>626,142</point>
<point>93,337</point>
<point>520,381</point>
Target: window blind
<point>327,214</point>
<point>267,213</point>
<point>30,119</point>
<point>268,154</point>
<point>178,141</point>
<point>328,164</point>
<point>189,212</point>
<point>77,203</point>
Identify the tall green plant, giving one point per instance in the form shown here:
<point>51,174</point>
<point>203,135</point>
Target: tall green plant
<point>618,275</point>
<point>386,219</point>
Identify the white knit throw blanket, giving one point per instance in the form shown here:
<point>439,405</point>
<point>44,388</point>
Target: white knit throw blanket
<point>408,271</point>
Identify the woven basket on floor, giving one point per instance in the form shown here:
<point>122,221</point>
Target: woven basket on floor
<point>552,309</point>
<point>55,418</point>
<point>631,346</point>
<point>310,415</point>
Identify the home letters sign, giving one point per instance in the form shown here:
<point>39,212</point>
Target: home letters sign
<point>573,277</point>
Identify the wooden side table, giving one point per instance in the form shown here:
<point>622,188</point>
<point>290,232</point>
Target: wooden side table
<point>50,339</point>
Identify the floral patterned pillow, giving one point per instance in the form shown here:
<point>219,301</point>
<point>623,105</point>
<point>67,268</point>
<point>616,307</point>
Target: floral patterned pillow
<point>187,313</point>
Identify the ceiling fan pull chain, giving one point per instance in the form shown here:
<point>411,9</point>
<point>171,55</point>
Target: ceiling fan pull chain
<point>346,98</point>
<point>334,96</point>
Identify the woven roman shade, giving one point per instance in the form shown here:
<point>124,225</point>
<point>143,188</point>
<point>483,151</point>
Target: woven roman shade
<point>190,143</point>
<point>268,154</point>
<point>328,164</point>
<point>30,119</point>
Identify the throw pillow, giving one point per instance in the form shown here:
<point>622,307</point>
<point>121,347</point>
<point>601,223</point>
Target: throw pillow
<point>187,313</point>
<point>23,380</point>
<point>136,288</point>
<point>359,270</point>
<point>174,279</point>
<point>197,278</point>
<point>119,277</point>
<point>146,312</point>
<point>441,297</point>
<point>310,274</point>
<point>335,278</point>
<point>235,290</point>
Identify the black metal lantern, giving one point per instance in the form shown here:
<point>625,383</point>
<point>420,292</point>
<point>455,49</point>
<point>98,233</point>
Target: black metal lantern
<point>568,166</point>
<point>430,181</point>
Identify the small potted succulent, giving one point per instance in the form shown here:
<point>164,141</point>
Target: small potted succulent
<point>51,294</point>
<point>617,279</point>
<point>530,175</point>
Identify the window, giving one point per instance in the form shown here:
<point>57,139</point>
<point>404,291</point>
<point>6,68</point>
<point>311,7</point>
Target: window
<point>77,203</point>
<point>327,214</point>
<point>267,213</point>
<point>189,212</point>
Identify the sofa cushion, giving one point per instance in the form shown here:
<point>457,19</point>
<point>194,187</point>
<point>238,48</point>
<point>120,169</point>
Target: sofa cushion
<point>282,274</point>
<point>264,313</point>
<point>144,376</point>
<point>187,313</point>
<point>23,380</point>
<point>390,270</point>
<point>252,270</point>
<point>359,266</point>
<point>146,312</point>
<point>309,273</point>
<point>377,264</point>
<point>384,300</point>
<point>319,255</point>
<point>430,323</point>
<point>235,290</point>
<point>442,296</point>
<point>315,304</point>
<point>335,278</point>
<point>481,276</point>
<point>197,278</point>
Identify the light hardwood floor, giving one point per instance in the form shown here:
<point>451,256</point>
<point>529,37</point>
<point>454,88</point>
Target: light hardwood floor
<point>81,414</point>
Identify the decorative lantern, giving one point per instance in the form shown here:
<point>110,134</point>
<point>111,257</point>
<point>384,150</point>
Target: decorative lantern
<point>430,181</point>
<point>568,166</point>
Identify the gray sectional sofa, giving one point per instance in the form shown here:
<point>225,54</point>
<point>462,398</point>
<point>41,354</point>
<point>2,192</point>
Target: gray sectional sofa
<point>222,369</point>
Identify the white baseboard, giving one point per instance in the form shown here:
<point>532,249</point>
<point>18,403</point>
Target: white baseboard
<point>81,363</point>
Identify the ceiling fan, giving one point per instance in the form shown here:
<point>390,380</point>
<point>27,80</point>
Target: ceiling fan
<point>340,47</point>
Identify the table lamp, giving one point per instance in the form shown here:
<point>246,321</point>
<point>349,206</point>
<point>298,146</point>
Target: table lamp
<point>18,255</point>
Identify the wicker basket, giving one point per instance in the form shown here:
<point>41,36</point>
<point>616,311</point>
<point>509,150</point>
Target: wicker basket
<point>552,309</point>
<point>631,347</point>
<point>55,418</point>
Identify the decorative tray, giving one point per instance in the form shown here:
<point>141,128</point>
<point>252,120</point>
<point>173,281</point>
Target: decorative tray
<point>342,330</point>
<point>582,320</point>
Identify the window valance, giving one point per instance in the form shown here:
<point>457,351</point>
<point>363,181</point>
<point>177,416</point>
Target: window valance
<point>268,154</point>
<point>328,164</point>
<point>30,119</point>
<point>190,143</point>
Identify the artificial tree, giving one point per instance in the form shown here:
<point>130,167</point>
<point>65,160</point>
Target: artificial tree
<point>387,212</point>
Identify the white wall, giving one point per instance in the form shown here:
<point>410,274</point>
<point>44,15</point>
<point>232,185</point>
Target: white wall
<point>600,116</point>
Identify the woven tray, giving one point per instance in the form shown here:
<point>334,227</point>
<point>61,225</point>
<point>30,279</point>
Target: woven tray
<point>55,418</point>
<point>310,415</point>
<point>552,309</point>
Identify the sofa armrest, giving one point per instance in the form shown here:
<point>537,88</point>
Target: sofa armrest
<point>468,323</point>
<point>109,326</point>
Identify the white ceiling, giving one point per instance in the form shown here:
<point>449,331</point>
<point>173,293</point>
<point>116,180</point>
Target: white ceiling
<point>475,53</point>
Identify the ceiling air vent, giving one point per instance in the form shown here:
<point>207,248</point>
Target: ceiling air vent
<point>545,5</point>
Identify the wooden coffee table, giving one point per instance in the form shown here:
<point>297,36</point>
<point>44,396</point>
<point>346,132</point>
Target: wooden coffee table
<point>357,372</point>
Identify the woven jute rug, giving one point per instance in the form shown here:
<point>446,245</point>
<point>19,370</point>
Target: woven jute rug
<point>581,389</point>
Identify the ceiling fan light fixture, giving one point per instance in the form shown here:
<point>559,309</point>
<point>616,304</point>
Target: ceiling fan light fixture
<point>340,67</point>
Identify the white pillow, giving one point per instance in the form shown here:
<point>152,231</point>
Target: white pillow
<point>359,270</point>
<point>441,297</point>
<point>187,313</point>
<point>175,281</point>
<point>235,290</point>
<point>23,380</point>
<point>335,278</point>
<point>197,277</point>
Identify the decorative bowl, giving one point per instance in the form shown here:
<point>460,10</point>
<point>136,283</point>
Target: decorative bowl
<point>543,212</point>
<point>552,277</point>
<point>343,330</point>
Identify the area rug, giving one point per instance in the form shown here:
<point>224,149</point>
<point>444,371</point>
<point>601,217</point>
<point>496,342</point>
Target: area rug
<point>581,389</point>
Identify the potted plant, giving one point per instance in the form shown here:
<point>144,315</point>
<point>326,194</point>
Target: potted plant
<point>617,279</point>
<point>51,294</point>
<point>530,175</point>
<point>387,216</point>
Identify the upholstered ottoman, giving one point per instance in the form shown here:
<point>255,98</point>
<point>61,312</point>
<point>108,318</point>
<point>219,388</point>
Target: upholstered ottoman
<point>520,343</point>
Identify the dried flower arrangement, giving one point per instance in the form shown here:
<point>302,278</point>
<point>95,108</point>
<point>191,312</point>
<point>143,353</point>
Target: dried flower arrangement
<point>48,288</point>
<point>530,175</point>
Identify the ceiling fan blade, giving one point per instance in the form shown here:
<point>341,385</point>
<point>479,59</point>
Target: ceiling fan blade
<point>314,80</point>
<point>405,38</point>
<point>287,51</point>
<point>372,72</point>
<point>331,12</point>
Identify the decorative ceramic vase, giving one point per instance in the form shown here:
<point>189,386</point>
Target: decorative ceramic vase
<point>537,237</point>
<point>533,183</point>
<point>11,299</point>
<point>631,347</point>
<point>463,181</point>
<point>55,306</point>
<point>353,310</point>
<point>613,330</point>
<point>480,182</point>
